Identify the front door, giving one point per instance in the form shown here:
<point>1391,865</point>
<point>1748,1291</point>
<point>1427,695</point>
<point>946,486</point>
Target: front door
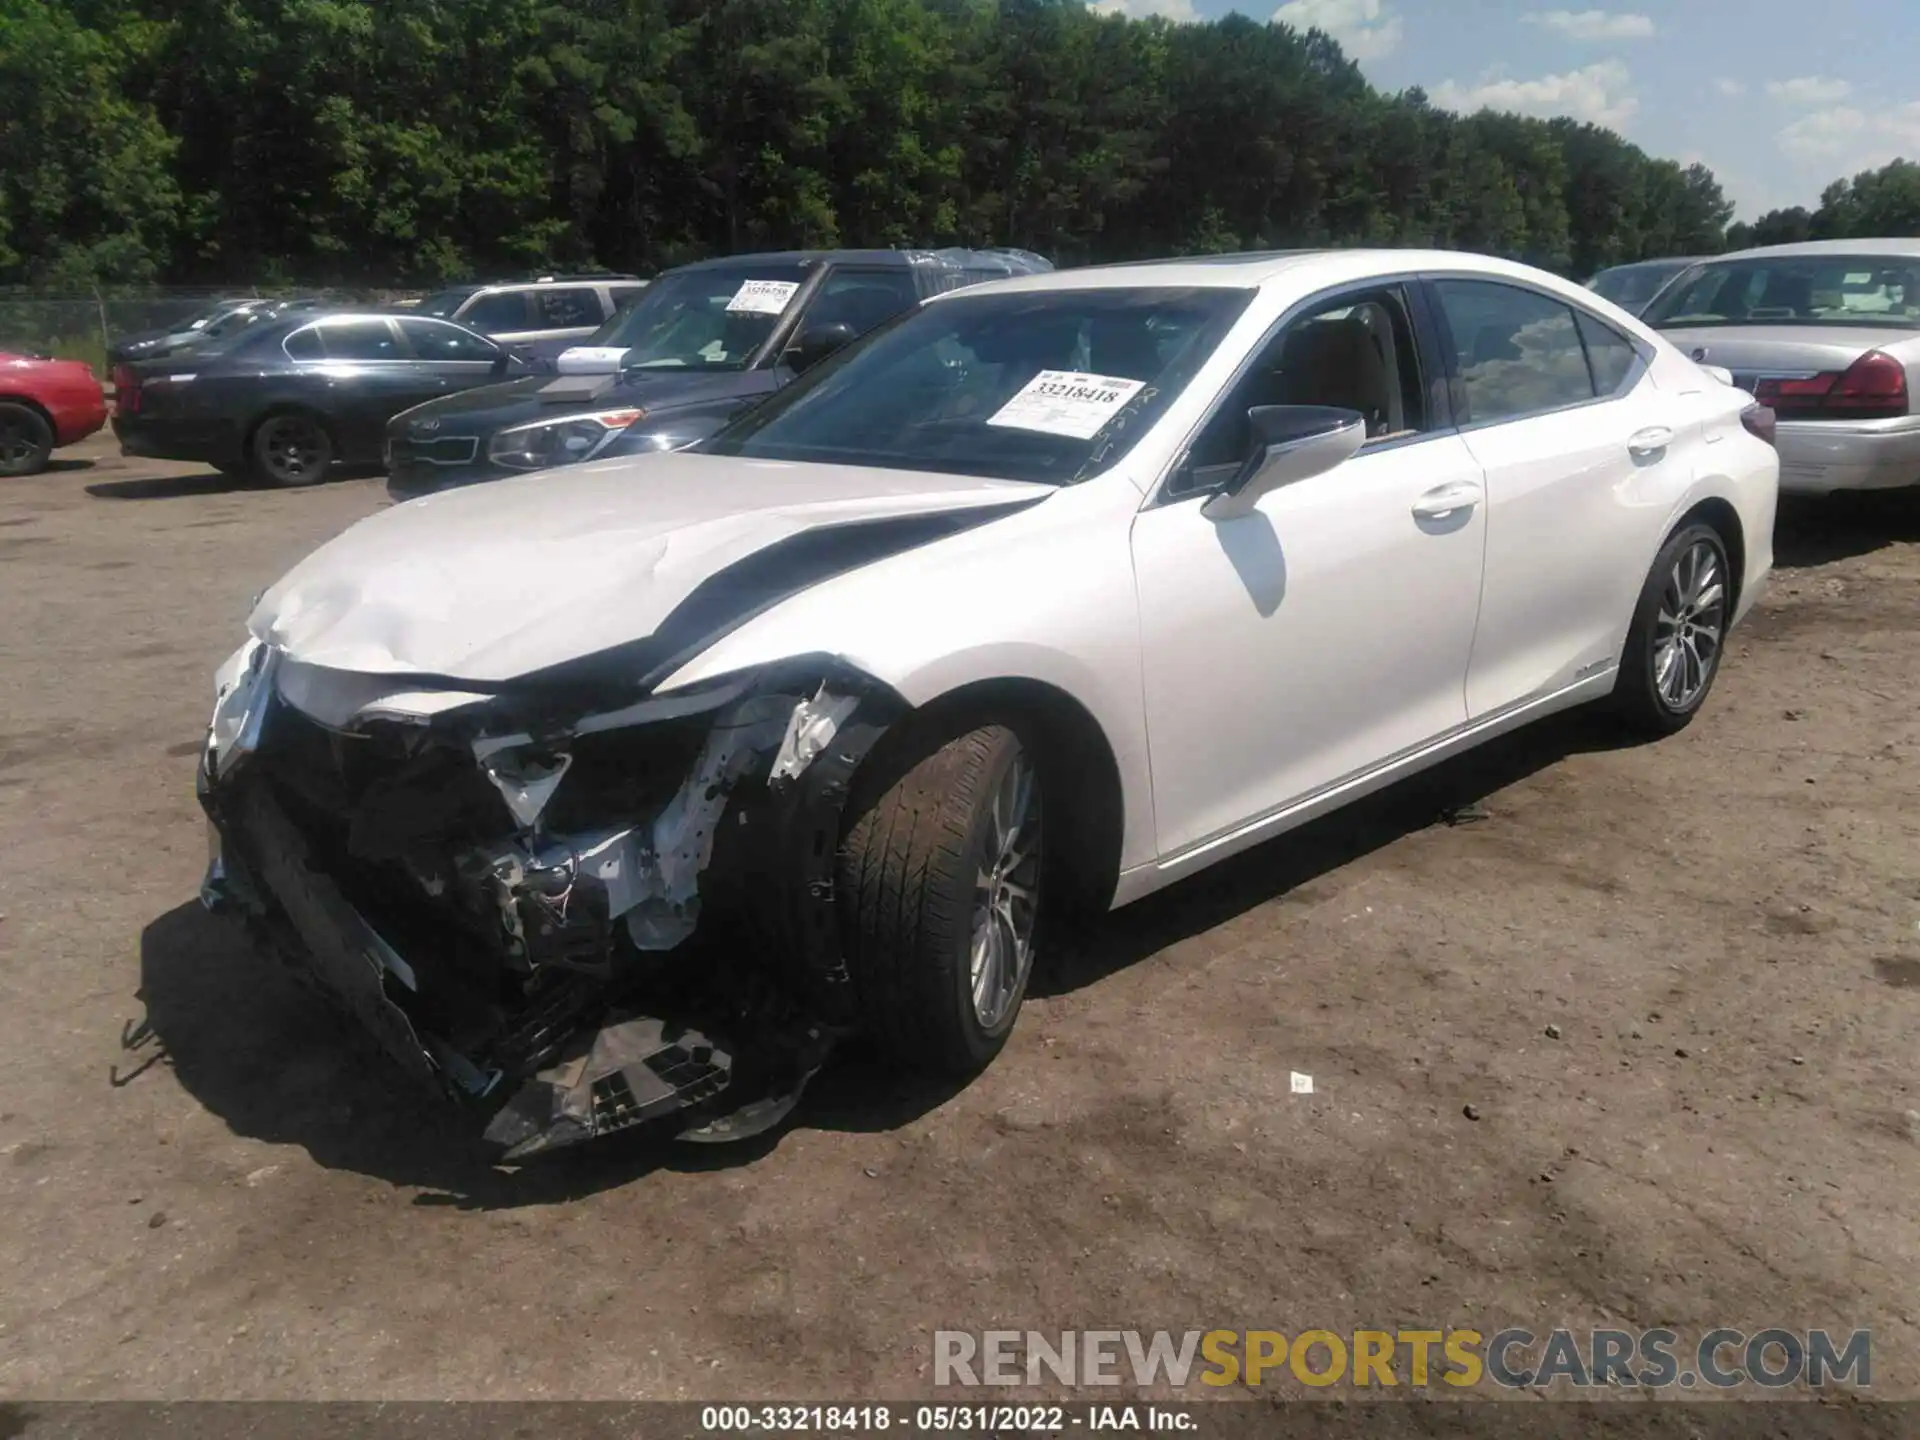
<point>1329,629</point>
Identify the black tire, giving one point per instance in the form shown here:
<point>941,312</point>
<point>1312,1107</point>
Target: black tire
<point>291,449</point>
<point>919,835</point>
<point>1650,696</point>
<point>26,440</point>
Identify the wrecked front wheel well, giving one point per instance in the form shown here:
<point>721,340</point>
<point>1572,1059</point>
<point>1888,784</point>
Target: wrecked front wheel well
<point>1078,773</point>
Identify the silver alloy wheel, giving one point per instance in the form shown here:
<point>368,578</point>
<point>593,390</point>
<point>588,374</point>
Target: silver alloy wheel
<point>293,449</point>
<point>1687,630</point>
<point>1006,894</point>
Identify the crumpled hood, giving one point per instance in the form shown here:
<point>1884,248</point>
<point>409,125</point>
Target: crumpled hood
<point>495,581</point>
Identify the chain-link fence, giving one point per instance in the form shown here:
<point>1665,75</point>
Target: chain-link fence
<point>79,325</point>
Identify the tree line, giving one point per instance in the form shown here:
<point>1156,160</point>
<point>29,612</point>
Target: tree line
<point>410,141</point>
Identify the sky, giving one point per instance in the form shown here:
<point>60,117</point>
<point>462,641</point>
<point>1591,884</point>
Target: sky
<point>1777,97</point>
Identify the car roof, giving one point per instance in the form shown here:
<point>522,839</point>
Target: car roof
<point>1308,268</point>
<point>1866,245</point>
<point>1661,262</point>
<point>1012,261</point>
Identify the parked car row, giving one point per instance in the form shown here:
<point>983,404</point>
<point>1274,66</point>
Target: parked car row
<point>618,794</point>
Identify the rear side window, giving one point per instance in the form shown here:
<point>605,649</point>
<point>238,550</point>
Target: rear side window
<point>361,340</point>
<point>502,310</point>
<point>575,308</point>
<point>1518,352</point>
<point>1616,363</point>
<point>431,340</point>
<point>305,345</point>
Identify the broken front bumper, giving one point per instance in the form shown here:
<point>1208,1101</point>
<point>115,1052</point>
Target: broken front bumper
<point>623,1055</point>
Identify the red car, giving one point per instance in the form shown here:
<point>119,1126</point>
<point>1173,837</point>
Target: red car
<point>44,404</point>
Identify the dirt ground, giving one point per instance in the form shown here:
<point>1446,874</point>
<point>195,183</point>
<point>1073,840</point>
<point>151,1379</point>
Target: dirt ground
<point>1723,928</point>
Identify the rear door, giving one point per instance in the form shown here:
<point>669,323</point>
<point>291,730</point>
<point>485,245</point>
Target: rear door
<point>366,374</point>
<point>1580,452</point>
<point>451,358</point>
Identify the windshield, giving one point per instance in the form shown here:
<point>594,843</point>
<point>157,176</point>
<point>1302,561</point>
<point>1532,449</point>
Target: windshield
<point>712,318</point>
<point>1630,286</point>
<point>1048,386</point>
<point>1790,290</point>
<point>442,303</point>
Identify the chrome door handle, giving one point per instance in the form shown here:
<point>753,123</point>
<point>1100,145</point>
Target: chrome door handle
<point>1650,441</point>
<point>1445,500</point>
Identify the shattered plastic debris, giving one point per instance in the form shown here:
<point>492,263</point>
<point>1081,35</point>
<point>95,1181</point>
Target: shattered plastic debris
<point>814,724</point>
<point>1302,1084</point>
<point>683,831</point>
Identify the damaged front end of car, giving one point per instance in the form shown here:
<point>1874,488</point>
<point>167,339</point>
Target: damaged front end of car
<point>576,917</point>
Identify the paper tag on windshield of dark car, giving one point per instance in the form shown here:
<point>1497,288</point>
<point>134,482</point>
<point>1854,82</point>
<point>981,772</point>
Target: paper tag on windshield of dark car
<point>1067,402</point>
<point>762,297</point>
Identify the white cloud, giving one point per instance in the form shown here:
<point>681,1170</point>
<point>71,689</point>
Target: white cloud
<point>1180,10</point>
<point>1730,87</point>
<point>1594,24</point>
<point>1601,93</point>
<point>1846,140</point>
<point>1366,29</point>
<point>1809,90</point>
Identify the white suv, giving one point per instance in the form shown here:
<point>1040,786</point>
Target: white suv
<point>537,317</point>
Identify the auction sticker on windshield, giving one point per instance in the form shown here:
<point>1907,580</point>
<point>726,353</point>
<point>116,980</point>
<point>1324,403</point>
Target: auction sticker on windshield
<point>762,297</point>
<point>1066,402</point>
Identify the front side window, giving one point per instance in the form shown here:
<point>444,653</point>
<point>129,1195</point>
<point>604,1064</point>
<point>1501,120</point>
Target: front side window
<point>862,299</point>
<point>711,318</point>
<point>1794,290</point>
<point>444,303</point>
<point>1355,352</point>
<point>360,340</point>
<point>1517,352</point>
<point>1045,386</point>
<point>501,312</point>
<point>432,341</point>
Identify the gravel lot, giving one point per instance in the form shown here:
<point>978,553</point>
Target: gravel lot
<point>210,1193</point>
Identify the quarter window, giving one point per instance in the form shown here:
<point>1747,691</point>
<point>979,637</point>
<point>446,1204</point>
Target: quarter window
<point>1518,352</point>
<point>1615,362</point>
<point>305,345</point>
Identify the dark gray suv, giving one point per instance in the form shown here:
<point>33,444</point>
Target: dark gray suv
<point>702,343</point>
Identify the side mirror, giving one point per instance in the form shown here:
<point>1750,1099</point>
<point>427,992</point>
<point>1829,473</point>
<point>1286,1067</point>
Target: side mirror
<point>815,343</point>
<point>1290,442</point>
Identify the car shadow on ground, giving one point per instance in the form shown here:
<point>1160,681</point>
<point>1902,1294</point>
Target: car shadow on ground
<point>266,1056</point>
<point>1819,530</point>
<point>169,487</point>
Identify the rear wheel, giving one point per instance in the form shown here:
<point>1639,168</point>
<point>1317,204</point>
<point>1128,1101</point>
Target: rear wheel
<point>939,885</point>
<point>292,449</point>
<point>26,440</point>
<point>1679,627</point>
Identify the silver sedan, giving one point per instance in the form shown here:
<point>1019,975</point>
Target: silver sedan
<point>1825,333</point>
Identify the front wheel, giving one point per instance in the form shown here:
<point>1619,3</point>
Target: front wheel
<point>26,440</point>
<point>292,450</point>
<point>939,886</point>
<point>1679,628</point>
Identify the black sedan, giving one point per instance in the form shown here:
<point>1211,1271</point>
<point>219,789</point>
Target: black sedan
<point>288,398</point>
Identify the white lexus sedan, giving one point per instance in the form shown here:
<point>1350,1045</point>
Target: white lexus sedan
<point>617,794</point>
